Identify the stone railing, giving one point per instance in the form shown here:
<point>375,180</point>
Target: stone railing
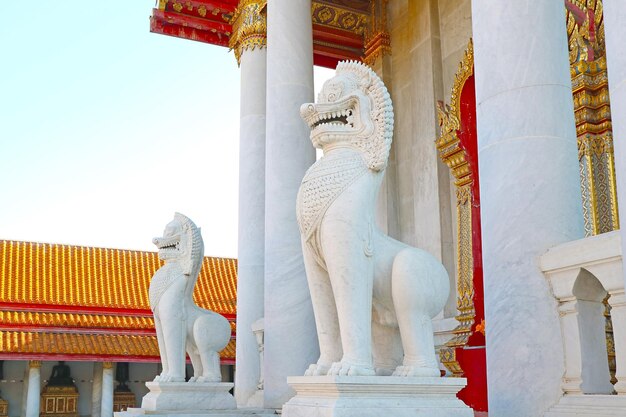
<point>581,274</point>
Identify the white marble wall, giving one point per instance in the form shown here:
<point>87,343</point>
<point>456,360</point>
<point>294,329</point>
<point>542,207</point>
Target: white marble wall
<point>615,33</point>
<point>455,28</point>
<point>530,194</point>
<point>420,199</point>
<point>290,337</point>
<point>455,22</point>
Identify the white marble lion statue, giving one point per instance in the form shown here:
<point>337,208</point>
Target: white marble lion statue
<point>181,325</point>
<point>373,297</point>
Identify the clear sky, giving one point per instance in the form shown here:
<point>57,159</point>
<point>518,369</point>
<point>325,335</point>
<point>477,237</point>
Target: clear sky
<point>106,129</point>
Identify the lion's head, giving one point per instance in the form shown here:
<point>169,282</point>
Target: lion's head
<point>353,108</point>
<point>181,242</point>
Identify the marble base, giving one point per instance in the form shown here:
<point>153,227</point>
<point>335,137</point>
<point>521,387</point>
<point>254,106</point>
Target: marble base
<point>345,396</point>
<point>184,396</point>
<point>256,401</point>
<point>242,412</point>
<point>589,406</point>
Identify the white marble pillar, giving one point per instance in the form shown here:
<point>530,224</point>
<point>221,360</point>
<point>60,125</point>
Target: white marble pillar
<point>615,33</point>
<point>34,389</point>
<point>24,391</point>
<point>106,408</point>
<point>251,220</point>
<point>530,194</point>
<point>290,338</point>
<point>96,390</point>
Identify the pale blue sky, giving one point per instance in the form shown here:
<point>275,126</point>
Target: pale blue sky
<point>106,129</point>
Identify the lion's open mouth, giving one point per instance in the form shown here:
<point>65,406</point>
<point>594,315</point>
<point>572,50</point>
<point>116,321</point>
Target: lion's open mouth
<point>335,118</point>
<point>167,243</point>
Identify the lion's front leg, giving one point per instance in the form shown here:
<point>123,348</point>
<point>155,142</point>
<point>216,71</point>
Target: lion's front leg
<point>350,269</point>
<point>173,326</point>
<point>161,343</point>
<point>325,313</point>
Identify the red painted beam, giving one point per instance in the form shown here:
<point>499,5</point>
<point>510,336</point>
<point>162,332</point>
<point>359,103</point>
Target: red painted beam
<point>89,358</point>
<point>111,311</point>
<point>212,24</point>
<point>210,6</point>
<point>330,45</point>
<point>341,38</point>
<point>162,26</point>
<point>57,308</point>
<point>79,330</point>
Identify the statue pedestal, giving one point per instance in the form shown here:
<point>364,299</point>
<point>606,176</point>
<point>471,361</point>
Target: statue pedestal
<point>362,396</point>
<point>185,396</point>
<point>184,399</point>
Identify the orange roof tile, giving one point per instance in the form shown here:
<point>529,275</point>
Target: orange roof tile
<point>43,343</point>
<point>74,320</point>
<point>53,274</point>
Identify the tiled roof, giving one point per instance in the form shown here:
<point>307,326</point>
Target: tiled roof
<point>121,347</point>
<point>77,300</point>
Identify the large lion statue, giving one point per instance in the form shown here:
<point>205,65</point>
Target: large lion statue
<point>373,297</point>
<point>180,324</point>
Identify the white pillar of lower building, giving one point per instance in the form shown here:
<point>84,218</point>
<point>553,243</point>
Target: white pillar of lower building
<point>615,33</point>
<point>290,337</point>
<point>530,194</point>
<point>106,408</point>
<point>34,389</point>
<point>251,251</point>
<point>96,390</point>
<point>24,392</point>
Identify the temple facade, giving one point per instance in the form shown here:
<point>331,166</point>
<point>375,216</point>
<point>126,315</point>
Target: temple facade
<point>77,335</point>
<point>503,165</point>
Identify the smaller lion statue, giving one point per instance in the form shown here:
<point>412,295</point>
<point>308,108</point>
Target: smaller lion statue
<point>373,297</point>
<point>181,325</point>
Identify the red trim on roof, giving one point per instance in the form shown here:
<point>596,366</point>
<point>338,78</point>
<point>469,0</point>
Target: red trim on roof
<point>89,358</point>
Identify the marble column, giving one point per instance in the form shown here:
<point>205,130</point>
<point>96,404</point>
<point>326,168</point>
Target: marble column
<point>34,389</point>
<point>251,219</point>
<point>615,33</point>
<point>530,194</point>
<point>106,408</point>
<point>249,46</point>
<point>96,390</point>
<point>290,338</point>
<point>24,392</point>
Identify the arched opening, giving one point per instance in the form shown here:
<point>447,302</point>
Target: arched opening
<point>590,295</point>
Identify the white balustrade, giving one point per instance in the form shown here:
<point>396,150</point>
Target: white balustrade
<point>581,274</point>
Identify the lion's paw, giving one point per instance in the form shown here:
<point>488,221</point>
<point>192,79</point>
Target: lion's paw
<point>418,371</point>
<point>209,378</point>
<point>344,368</point>
<point>316,369</point>
<point>169,378</point>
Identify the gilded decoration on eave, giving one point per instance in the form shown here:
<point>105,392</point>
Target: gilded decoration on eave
<point>338,16</point>
<point>249,23</point>
<point>455,157</point>
<point>377,37</point>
